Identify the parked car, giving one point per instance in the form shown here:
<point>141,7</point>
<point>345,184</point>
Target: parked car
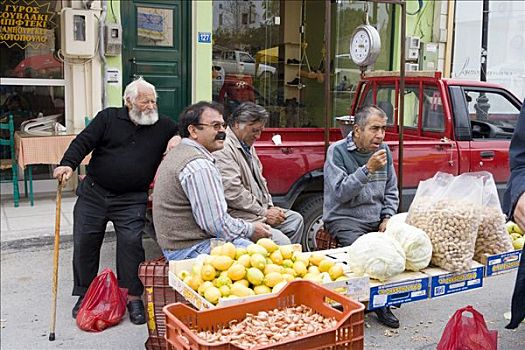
<point>235,61</point>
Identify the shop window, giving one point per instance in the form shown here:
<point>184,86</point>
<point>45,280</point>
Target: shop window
<point>268,59</point>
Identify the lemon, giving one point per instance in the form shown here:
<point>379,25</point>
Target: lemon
<point>272,279</point>
<point>336,271</point>
<point>287,262</point>
<point>194,282</point>
<point>225,291</point>
<point>316,258</point>
<point>257,249</point>
<point>254,276</point>
<point>314,270</point>
<point>216,250</point>
<point>277,257</point>
<point>208,272</point>
<point>245,260</point>
<point>237,272</point>
<point>325,265</point>
<point>258,261</point>
<point>239,252</point>
<point>196,269</point>
<point>243,282</point>
<point>300,268</point>
<point>268,244</point>
<point>298,256</point>
<point>272,268</point>
<point>262,289</point>
<point>222,262</point>
<point>288,277</point>
<point>286,251</point>
<point>279,286</point>
<point>317,278</point>
<point>222,281</point>
<point>204,286</point>
<point>289,271</point>
<point>212,294</point>
<point>183,274</point>
<point>241,291</point>
<point>229,249</point>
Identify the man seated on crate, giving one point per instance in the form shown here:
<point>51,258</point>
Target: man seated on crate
<point>189,208</point>
<point>127,145</point>
<point>360,185</point>
<point>245,187</point>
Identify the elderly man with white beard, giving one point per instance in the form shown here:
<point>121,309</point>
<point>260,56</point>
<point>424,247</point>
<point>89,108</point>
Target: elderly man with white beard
<point>127,145</point>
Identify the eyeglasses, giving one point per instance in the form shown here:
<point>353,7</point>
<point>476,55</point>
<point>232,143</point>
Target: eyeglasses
<point>216,126</point>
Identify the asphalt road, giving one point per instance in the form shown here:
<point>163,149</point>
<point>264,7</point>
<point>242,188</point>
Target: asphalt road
<point>26,279</point>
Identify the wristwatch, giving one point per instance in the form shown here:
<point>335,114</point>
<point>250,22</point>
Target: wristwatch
<point>365,170</point>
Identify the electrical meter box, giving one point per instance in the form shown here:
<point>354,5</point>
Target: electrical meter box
<point>112,39</point>
<point>429,56</point>
<point>78,32</point>
<point>412,48</point>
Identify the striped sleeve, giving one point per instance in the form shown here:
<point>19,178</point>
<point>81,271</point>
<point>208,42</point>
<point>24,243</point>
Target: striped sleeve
<point>202,184</point>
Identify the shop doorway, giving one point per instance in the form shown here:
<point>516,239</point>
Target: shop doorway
<point>156,47</point>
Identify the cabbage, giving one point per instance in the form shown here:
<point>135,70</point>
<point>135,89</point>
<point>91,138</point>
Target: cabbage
<point>396,219</point>
<point>377,255</point>
<point>415,243</point>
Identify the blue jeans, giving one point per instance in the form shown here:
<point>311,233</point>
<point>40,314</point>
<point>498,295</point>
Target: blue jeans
<point>199,248</point>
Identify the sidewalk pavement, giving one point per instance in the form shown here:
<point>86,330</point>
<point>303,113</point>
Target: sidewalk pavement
<point>35,225</point>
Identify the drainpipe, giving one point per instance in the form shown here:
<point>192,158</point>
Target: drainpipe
<point>101,51</point>
<point>327,70</point>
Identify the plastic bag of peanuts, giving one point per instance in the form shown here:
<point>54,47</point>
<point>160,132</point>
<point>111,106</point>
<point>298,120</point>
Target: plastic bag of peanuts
<point>492,234</point>
<point>448,209</point>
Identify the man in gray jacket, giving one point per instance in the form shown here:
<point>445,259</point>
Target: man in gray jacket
<point>245,187</point>
<point>360,185</point>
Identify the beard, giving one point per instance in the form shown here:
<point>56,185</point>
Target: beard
<point>143,118</point>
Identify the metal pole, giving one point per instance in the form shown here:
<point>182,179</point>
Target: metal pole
<point>484,41</point>
<point>401,114</point>
<point>328,68</point>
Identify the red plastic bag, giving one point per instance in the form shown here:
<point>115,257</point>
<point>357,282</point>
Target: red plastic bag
<point>468,333</point>
<point>104,303</point>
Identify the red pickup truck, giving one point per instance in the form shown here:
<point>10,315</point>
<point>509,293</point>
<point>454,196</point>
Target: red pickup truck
<point>453,126</point>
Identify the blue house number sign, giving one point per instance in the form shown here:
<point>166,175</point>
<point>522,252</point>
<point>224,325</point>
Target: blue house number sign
<point>204,37</point>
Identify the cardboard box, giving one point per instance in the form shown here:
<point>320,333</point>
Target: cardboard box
<point>356,287</point>
<point>443,282</point>
<point>403,288</point>
<point>501,263</point>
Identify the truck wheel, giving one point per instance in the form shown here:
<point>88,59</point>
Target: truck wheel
<point>312,211</point>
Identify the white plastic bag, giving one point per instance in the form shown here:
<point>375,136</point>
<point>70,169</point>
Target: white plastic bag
<point>378,255</point>
<point>415,243</point>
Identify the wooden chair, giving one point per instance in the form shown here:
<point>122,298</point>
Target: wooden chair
<point>10,163</point>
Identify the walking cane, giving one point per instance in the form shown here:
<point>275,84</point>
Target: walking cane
<point>55,260</point>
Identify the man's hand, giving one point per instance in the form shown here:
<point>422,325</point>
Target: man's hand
<point>275,216</point>
<point>62,173</point>
<point>519,212</point>
<point>377,161</point>
<point>382,225</point>
<point>174,141</point>
<point>261,231</point>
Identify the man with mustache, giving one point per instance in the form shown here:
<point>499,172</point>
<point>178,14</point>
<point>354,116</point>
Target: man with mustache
<point>360,185</point>
<point>245,187</point>
<point>189,208</point>
<point>127,145</point>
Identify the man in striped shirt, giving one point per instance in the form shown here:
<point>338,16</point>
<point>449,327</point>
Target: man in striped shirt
<point>189,208</point>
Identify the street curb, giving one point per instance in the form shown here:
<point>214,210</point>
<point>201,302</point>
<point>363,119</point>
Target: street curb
<point>42,241</point>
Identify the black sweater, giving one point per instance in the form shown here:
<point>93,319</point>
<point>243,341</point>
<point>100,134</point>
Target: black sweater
<point>125,156</point>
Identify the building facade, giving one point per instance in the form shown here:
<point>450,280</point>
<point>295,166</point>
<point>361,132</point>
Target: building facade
<point>71,58</point>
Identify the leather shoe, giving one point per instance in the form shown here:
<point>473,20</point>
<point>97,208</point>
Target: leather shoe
<point>74,312</point>
<point>386,317</point>
<point>137,315</point>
